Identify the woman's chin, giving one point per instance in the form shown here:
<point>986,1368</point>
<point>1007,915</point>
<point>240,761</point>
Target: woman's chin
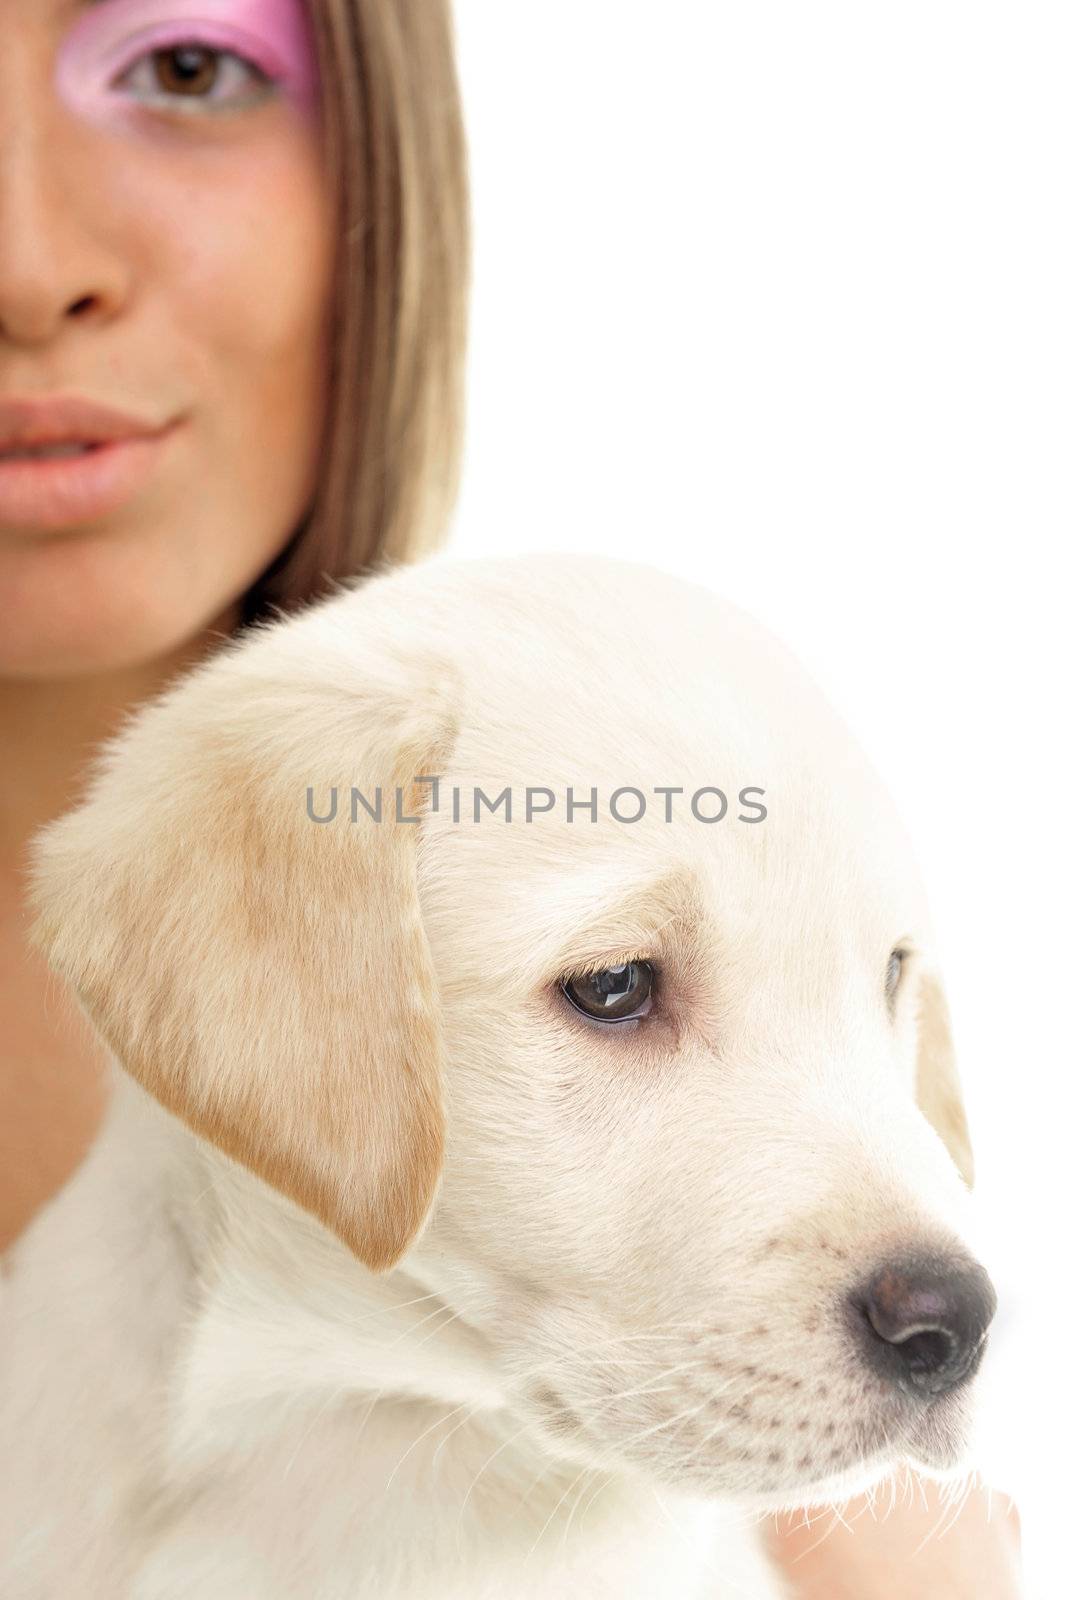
<point>82,612</point>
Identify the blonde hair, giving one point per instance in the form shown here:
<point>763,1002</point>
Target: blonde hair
<point>396,157</point>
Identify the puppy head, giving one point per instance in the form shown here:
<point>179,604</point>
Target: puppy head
<point>720,1238</point>
<point>712,1239</point>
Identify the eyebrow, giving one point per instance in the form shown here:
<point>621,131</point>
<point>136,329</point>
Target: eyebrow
<point>647,914</point>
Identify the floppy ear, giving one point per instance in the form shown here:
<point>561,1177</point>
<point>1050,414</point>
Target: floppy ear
<point>938,1084</point>
<point>267,976</point>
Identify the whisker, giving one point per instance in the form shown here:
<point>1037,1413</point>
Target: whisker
<point>485,1465</point>
<point>423,1435</point>
<point>576,1503</point>
<point>560,1501</point>
<point>474,1409</point>
<point>332,1396</point>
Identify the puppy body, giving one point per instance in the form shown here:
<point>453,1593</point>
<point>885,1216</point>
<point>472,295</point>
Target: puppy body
<point>223,1404</point>
<point>424,1283</point>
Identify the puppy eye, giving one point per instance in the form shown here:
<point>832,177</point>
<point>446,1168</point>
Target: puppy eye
<point>613,994</point>
<point>893,975</point>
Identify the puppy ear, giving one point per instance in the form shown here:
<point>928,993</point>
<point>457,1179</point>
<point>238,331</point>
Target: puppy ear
<point>264,975</point>
<point>938,1084</point>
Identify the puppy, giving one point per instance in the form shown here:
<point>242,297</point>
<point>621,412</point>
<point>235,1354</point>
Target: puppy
<point>496,1203</point>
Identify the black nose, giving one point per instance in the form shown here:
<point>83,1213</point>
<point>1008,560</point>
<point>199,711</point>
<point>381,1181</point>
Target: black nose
<point>923,1321</point>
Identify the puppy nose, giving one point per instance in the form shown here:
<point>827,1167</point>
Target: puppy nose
<point>924,1322</point>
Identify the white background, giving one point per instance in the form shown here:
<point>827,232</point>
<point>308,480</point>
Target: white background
<point>771,294</point>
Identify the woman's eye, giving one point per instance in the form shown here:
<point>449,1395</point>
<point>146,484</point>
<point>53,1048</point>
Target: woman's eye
<point>613,994</point>
<point>191,71</point>
<point>896,961</point>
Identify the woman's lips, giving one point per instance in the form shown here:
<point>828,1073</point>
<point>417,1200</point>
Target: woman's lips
<point>69,490</point>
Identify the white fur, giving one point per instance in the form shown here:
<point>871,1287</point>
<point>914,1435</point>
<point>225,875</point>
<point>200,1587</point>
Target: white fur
<point>613,1343</point>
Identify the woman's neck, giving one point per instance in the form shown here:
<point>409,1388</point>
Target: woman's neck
<point>50,730</point>
<point>52,1086</point>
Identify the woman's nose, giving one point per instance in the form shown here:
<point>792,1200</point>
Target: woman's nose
<point>57,260</point>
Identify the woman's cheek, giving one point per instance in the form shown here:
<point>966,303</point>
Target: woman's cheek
<point>257,264</point>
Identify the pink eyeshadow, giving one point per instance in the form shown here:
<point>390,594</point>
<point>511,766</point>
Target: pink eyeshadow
<point>274,35</point>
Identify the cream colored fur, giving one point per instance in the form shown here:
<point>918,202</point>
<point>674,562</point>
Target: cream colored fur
<point>422,1287</point>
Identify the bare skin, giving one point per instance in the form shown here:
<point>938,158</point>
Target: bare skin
<point>173,259</point>
<point>51,1080</point>
<point>182,272</point>
<point>925,1546</point>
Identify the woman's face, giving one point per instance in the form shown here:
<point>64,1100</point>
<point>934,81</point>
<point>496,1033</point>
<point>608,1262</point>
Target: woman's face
<point>166,248</point>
